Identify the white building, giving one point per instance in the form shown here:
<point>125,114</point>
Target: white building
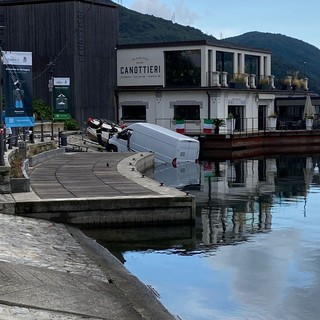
<point>193,81</point>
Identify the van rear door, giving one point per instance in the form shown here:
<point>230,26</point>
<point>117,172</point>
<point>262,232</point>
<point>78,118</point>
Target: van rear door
<point>188,150</point>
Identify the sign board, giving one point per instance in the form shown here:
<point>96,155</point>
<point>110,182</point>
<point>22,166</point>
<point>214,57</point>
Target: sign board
<point>61,99</point>
<point>17,86</point>
<point>140,67</point>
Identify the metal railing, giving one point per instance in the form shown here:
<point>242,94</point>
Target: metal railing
<point>241,126</point>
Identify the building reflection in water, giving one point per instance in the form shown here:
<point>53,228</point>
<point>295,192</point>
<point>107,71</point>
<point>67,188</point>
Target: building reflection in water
<point>236,197</point>
<point>234,202</point>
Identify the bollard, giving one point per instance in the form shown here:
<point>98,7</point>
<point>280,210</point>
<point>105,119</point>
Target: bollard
<point>16,136</point>
<point>31,136</point>
<point>63,138</point>
<point>10,142</point>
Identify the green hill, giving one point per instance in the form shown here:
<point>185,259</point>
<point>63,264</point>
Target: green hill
<point>289,55</point>
<point>135,27</point>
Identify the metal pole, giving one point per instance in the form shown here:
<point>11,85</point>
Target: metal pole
<point>42,140</point>
<point>1,115</point>
<point>51,64</point>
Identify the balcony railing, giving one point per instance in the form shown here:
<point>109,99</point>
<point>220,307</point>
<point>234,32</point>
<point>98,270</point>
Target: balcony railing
<point>252,81</point>
<point>243,126</point>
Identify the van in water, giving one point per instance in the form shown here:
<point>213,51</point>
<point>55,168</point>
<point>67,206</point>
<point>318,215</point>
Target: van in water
<point>167,145</point>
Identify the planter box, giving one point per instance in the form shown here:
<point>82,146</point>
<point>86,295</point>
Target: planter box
<point>265,86</point>
<point>20,185</point>
<point>286,87</point>
<point>231,125</point>
<point>309,124</point>
<point>272,123</point>
<point>237,85</point>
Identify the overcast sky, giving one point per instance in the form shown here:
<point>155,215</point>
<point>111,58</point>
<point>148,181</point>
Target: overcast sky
<point>222,19</point>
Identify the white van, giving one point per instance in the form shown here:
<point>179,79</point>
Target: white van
<point>167,145</point>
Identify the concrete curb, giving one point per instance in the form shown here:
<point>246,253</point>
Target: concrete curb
<point>142,298</point>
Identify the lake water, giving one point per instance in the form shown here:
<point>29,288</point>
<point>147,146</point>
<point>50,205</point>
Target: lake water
<point>254,252</point>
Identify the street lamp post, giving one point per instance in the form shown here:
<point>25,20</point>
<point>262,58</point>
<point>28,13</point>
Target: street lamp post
<point>51,64</point>
<point>2,140</point>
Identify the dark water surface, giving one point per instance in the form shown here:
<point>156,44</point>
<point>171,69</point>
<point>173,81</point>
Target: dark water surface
<point>254,252</point>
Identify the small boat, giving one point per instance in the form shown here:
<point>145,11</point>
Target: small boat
<point>93,125</point>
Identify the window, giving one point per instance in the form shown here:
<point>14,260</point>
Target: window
<point>187,112</point>
<point>125,134</point>
<point>224,62</point>
<point>183,68</point>
<point>252,65</point>
<point>134,112</point>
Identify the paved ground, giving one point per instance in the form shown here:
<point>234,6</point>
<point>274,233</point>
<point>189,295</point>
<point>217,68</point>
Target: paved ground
<point>52,271</point>
<point>82,175</point>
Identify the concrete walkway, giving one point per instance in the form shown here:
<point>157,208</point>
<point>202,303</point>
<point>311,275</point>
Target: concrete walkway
<point>84,175</point>
<point>101,188</point>
<point>52,271</point>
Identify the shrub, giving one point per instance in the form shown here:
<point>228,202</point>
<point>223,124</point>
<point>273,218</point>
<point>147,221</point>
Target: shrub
<point>16,167</point>
<point>41,110</point>
<point>218,122</point>
<point>71,124</point>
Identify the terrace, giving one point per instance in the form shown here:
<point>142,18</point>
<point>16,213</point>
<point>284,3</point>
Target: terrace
<point>252,81</point>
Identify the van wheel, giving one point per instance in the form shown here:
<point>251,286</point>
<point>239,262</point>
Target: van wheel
<point>112,148</point>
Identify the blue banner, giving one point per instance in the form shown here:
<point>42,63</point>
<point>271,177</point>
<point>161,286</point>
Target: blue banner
<point>18,89</point>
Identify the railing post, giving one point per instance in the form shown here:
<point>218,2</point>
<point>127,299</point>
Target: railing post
<point>42,139</point>
<point>5,140</point>
<point>10,142</point>
<point>52,137</point>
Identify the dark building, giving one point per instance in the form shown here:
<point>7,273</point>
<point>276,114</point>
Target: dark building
<point>78,38</point>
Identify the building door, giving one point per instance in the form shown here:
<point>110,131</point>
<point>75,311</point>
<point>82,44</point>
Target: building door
<point>262,114</point>
<point>238,112</point>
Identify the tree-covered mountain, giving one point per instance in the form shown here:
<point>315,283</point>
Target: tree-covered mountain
<point>135,27</point>
<point>289,55</point>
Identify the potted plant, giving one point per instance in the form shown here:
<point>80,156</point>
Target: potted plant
<point>217,124</point>
<point>296,83</point>
<point>272,121</point>
<point>230,123</point>
<point>264,84</point>
<point>238,81</point>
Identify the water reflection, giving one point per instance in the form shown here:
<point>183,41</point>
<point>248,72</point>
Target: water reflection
<point>234,201</point>
<point>253,253</point>
<point>236,197</point>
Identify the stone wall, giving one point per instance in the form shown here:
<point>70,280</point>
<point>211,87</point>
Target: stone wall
<point>36,154</point>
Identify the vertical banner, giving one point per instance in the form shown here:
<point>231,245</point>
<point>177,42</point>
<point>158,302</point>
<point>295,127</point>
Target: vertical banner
<point>61,99</point>
<point>18,89</point>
